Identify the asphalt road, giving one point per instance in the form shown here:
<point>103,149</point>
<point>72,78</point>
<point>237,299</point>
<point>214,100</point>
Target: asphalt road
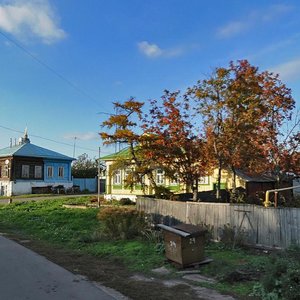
<point>25,275</point>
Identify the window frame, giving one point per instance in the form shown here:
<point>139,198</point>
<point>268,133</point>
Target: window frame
<point>61,172</point>
<point>38,170</point>
<point>25,171</point>
<point>50,173</point>
<point>117,177</point>
<point>160,176</point>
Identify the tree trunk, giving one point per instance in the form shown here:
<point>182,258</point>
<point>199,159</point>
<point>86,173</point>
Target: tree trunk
<point>233,179</point>
<point>218,192</point>
<point>195,191</point>
<point>188,188</point>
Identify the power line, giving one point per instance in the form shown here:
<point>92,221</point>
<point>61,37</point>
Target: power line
<point>50,140</point>
<point>49,68</point>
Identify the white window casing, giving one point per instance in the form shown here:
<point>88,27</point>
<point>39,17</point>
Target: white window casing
<point>159,178</point>
<point>25,171</point>
<point>117,177</point>
<point>38,172</point>
<point>61,172</point>
<point>50,172</point>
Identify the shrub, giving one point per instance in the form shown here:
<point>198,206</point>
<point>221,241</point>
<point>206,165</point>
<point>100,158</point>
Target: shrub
<point>126,201</point>
<point>282,277</point>
<point>122,223</point>
<point>154,236</point>
<point>231,238</point>
<point>163,192</point>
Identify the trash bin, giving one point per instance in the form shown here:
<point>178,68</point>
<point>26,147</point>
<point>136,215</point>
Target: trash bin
<point>184,243</point>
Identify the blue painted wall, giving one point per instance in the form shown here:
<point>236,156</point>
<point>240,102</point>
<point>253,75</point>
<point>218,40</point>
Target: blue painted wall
<point>56,164</point>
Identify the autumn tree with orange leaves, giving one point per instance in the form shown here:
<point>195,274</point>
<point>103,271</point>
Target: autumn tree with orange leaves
<point>175,142</point>
<point>233,120</point>
<point>243,111</point>
<point>126,128</point>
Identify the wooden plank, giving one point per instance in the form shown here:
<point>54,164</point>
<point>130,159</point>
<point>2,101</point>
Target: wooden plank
<point>268,227</point>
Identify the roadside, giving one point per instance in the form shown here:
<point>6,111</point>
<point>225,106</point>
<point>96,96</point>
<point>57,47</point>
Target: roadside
<point>137,268</point>
<point>27,275</point>
<point>113,274</point>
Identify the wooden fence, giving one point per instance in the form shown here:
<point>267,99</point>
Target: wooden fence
<point>267,227</point>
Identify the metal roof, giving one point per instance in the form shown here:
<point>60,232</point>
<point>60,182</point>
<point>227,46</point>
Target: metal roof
<point>31,150</point>
<point>259,178</point>
<point>121,154</point>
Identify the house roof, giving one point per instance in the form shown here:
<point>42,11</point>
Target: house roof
<point>121,154</point>
<point>260,178</point>
<point>30,150</point>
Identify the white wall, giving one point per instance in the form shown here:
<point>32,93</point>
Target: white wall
<point>25,187</point>
<point>119,197</point>
<point>5,188</point>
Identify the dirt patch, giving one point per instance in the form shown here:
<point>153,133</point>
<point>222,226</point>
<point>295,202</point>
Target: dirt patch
<point>110,273</point>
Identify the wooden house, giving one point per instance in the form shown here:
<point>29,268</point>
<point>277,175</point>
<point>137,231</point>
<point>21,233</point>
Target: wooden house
<point>117,189</point>
<point>26,168</point>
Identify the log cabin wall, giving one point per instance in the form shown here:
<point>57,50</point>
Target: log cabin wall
<point>27,168</point>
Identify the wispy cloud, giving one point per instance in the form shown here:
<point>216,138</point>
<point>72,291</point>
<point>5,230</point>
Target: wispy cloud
<point>26,19</point>
<point>253,19</point>
<point>289,70</point>
<point>154,51</point>
<point>275,47</point>
<point>83,136</point>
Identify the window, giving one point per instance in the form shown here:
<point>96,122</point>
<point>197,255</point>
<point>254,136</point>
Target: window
<point>5,171</point>
<point>49,172</point>
<point>128,174</point>
<point>117,177</point>
<point>159,176</point>
<point>61,172</point>
<point>175,180</point>
<point>25,171</point>
<point>38,172</point>
<point>0,171</point>
<point>203,180</point>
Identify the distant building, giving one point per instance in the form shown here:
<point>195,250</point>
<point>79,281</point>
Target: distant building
<point>117,189</point>
<point>26,168</point>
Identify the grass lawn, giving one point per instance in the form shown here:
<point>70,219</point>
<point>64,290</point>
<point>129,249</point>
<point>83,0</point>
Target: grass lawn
<point>79,231</point>
<point>74,229</point>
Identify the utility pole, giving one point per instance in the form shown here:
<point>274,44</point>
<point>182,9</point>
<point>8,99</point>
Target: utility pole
<point>74,146</point>
<point>99,171</point>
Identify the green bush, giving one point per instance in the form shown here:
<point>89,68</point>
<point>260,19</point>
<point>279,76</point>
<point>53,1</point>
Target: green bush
<point>122,223</point>
<point>282,277</point>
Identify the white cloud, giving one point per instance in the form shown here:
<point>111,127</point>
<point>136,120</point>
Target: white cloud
<point>288,71</point>
<point>253,19</point>
<point>31,18</point>
<point>150,50</point>
<point>232,28</point>
<point>153,50</point>
<point>83,136</point>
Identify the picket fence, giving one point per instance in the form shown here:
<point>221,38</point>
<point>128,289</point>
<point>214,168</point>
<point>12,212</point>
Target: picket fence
<point>260,226</point>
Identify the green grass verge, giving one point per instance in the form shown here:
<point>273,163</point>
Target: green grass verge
<point>79,230</point>
<point>75,229</point>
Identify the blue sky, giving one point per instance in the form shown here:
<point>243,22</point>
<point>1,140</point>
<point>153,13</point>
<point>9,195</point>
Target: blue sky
<point>64,61</point>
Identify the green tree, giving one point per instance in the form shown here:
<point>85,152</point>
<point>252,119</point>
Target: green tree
<point>84,167</point>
